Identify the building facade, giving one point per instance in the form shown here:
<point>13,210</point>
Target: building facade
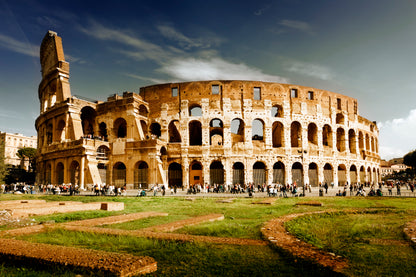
<point>202,132</point>
<point>11,143</point>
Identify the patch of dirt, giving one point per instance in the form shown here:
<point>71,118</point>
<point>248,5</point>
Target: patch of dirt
<point>310,203</point>
<point>107,263</point>
<point>266,201</point>
<point>410,231</point>
<point>169,227</point>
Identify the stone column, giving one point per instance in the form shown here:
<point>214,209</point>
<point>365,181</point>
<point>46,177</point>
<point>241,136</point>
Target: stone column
<point>82,172</point>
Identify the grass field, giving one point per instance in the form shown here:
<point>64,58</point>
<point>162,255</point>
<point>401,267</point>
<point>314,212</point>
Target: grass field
<point>371,238</point>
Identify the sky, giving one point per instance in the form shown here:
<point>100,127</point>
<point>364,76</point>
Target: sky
<point>359,48</point>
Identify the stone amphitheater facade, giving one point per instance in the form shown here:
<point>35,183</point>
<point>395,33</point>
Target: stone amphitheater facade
<point>202,132</point>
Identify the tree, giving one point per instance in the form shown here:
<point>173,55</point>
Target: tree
<point>29,153</point>
<point>410,160</point>
<point>3,167</point>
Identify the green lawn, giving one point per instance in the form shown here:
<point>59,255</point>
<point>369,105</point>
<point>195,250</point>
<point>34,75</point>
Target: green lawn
<point>352,235</point>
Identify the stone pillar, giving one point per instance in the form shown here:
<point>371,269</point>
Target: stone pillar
<point>185,171</point>
<point>82,172</point>
<point>228,171</point>
<point>321,174</point>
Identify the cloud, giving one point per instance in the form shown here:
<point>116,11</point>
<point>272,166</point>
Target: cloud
<point>261,11</point>
<point>295,25</point>
<point>214,69</point>
<point>398,136</point>
<point>308,69</point>
<point>145,78</point>
<point>16,46</point>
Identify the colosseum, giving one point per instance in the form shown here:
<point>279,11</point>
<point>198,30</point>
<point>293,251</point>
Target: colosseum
<point>202,132</point>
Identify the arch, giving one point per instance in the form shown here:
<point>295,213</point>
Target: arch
<point>362,174</point>
<point>327,136</point>
<point>195,173</point>
<point>103,152</point>
<point>372,144</point>
<point>103,131</point>
<point>74,172</point>
<point>257,129</point>
<point>313,174</point>
<point>155,129</point>
<point>279,173</point>
<point>313,134</point>
<point>60,131</point>
<point>48,174</point>
<point>102,171</point>
<point>297,174</point>
<point>296,134</point>
<point>278,134</point>
<point>88,115</point>
<point>163,151</point>
<point>352,141</point>
<point>119,174</point>
<point>59,173</point>
<point>277,111</point>
<point>216,132</point>
<point>143,110</point>
<point>367,142</point>
<point>120,127</point>
<point>342,175</point>
<point>238,173</point>
<point>328,174</point>
<point>339,118</point>
<point>195,110</point>
<point>340,140</point>
<point>49,133</point>
<point>141,175</point>
<point>216,173</point>
<point>174,134</point>
<point>195,133</point>
<point>369,175</point>
<point>259,173</point>
<point>237,130</point>
<point>175,175</point>
<point>360,141</point>
<point>353,174</point>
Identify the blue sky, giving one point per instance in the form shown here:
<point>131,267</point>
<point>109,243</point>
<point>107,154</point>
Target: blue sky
<point>363,49</point>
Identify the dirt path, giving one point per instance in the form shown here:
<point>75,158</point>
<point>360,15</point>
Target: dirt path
<point>276,233</point>
<point>169,227</point>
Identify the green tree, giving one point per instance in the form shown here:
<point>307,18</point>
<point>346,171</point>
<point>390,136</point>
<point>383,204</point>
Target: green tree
<point>3,167</point>
<point>410,160</point>
<point>30,154</point>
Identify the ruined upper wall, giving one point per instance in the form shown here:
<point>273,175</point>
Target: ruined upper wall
<point>238,91</point>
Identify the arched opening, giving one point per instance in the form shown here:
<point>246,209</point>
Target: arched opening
<point>143,110</point>
<point>353,174</point>
<point>195,133</point>
<point>362,175</point>
<point>328,174</point>
<point>49,133</point>
<point>237,130</point>
<point>367,142</point>
<point>312,134</point>
<point>119,174</point>
<point>238,173</point>
<point>278,134</point>
<point>339,118</point>
<point>327,136</point>
<point>195,110</point>
<point>259,174</point>
<point>216,132</point>
<point>374,179</point>
<point>372,144</point>
<point>174,135</point>
<point>48,174</point>
<point>342,175</point>
<point>351,141</point>
<point>369,176</point>
<point>59,174</point>
<point>88,115</point>
<point>103,131</point>
<point>155,130</point>
<point>60,131</point>
<point>296,134</point>
<point>175,175</point>
<point>120,128</point>
<point>216,173</point>
<point>195,174</point>
<point>279,173</point>
<point>141,175</point>
<point>74,171</point>
<point>103,153</point>
<point>340,140</point>
<point>102,170</point>
<point>313,174</point>
<point>297,174</point>
<point>277,111</point>
<point>257,129</point>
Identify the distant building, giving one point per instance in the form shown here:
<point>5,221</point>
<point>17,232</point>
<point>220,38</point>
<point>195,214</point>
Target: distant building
<point>392,166</point>
<point>14,142</point>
